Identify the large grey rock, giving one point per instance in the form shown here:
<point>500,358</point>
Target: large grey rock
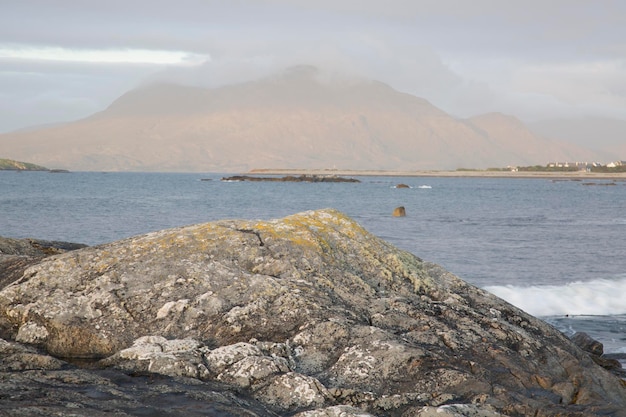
<point>304,314</point>
<point>18,254</point>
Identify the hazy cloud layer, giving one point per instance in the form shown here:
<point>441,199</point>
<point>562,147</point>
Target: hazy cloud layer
<point>534,59</point>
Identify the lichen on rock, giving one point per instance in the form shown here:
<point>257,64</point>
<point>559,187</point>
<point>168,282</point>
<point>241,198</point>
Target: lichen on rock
<point>309,314</point>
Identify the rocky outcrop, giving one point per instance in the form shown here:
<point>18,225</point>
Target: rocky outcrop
<point>290,178</point>
<point>17,254</point>
<point>35,384</point>
<point>11,165</point>
<point>310,315</point>
<point>399,212</point>
<point>596,351</point>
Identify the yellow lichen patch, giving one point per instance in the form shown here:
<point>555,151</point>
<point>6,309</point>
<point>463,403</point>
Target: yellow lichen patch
<point>312,229</point>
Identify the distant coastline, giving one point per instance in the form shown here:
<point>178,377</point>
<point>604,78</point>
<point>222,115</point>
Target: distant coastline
<point>459,173</point>
<point>11,165</point>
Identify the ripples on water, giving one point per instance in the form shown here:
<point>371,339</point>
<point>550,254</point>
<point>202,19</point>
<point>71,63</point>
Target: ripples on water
<point>534,235</point>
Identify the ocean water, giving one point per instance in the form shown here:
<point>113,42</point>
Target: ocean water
<point>553,248</point>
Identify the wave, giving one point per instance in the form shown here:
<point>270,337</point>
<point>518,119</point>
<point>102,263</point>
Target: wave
<point>408,186</point>
<point>597,297</point>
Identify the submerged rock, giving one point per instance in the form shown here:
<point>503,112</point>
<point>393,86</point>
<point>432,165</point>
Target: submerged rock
<point>310,314</point>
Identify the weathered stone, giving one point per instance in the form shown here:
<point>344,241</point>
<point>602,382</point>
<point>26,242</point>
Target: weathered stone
<point>335,411</point>
<point>399,212</point>
<point>294,391</point>
<point>402,186</point>
<point>301,314</point>
<point>17,357</point>
<point>159,355</point>
<point>596,351</point>
<point>18,254</point>
<point>245,365</point>
<point>35,247</point>
<point>588,344</point>
<point>223,357</point>
<point>457,410</point>
<point>35,384</point>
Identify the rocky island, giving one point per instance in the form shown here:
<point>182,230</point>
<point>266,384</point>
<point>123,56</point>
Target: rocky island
<point>11,165</point>
<point>291,178</point>
<point>305,316</point>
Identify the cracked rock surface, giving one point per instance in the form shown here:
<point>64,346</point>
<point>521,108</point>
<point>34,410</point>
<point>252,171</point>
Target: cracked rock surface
<point>309,315</point>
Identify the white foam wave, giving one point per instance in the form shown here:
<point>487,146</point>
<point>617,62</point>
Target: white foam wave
<point>598,297</point>
<point>424,186</point>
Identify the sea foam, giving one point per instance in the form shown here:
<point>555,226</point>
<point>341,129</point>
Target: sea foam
<point>597,297</point>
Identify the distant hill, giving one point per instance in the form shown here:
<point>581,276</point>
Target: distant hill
<point>11,165</point>
<point>301,118</point>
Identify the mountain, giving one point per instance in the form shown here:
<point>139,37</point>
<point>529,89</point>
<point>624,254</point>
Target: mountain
<point>301,118</point>
<point>607,135</point>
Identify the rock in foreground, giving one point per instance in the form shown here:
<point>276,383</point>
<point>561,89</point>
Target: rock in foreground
<point>18,254</point>
<point>308,315</point>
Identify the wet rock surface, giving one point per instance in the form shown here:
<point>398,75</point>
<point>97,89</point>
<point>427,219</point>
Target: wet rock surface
<point>309,315</point>
<point>596,351</point>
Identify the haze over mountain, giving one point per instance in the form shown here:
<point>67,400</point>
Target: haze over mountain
<point>608,135</point>
<point>301,118</point>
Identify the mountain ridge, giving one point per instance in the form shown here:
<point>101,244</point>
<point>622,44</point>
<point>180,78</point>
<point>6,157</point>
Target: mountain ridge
<point>302,118</point>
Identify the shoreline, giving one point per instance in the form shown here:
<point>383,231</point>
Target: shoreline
<point>452,174</point>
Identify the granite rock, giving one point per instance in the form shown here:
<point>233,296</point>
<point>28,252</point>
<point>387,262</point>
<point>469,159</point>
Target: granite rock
<point>18,254</point>
<point>33,383</point>
<point>307,314</point>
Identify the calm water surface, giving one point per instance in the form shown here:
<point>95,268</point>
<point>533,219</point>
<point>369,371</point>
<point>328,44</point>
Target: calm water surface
<point>550,247</point>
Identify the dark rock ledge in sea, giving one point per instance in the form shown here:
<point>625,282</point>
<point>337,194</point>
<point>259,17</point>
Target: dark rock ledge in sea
<point>290,178</point>
<point>309,315</point>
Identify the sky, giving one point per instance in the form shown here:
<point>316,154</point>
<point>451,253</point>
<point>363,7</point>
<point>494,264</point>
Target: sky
<point>63,60</point>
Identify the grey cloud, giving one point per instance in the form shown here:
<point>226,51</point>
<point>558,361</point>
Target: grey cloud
<point>464,56</point>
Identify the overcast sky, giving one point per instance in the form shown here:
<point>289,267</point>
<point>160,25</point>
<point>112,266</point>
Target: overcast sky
<point>63,60</point>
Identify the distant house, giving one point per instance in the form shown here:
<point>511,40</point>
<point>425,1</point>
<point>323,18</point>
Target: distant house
<point>581,166</point>
<point>616,164</point>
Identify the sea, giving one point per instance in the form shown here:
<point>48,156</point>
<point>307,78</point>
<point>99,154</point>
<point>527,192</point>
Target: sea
<point>554,248</point>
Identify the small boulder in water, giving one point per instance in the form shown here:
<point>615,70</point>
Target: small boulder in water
<point>596,351</point>
<point>399,212</point>
<point>402,186</point>
<point>587,343</point>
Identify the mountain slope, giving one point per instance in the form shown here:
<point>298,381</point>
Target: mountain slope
<point>297,119</point>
